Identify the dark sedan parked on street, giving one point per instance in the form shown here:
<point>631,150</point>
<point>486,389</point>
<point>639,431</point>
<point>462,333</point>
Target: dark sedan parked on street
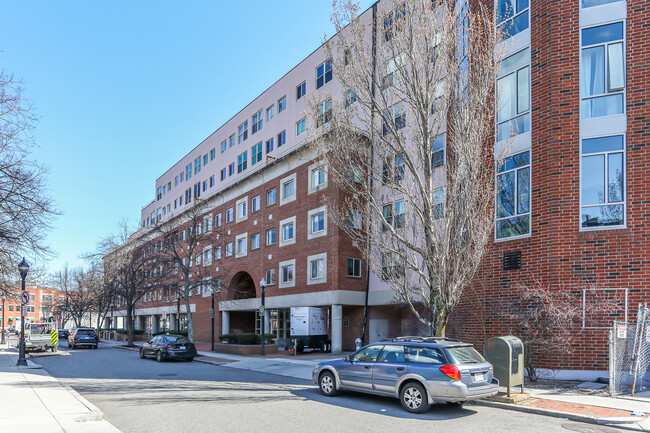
<point>63,334</point>
<point>168,346</point>
<point>83,337</point>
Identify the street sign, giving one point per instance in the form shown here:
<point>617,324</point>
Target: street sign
<point>211,313</point>
<point>25,310</point>
<point>261,311</point>
<point>24,297</point>
<point>621,331</point>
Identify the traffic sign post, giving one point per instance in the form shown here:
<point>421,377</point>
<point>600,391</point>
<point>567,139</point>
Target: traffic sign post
<point>261,311</point>
<point>24,297</point>
<point>25,310</point>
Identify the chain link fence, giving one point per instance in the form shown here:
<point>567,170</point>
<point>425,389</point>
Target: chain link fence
<point>629,355</point>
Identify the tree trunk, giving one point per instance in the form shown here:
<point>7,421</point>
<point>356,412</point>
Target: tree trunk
<point>129,324</point>
<point>190,326</point>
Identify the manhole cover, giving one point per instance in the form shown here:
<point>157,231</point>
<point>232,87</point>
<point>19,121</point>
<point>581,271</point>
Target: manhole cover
<point>587,428</point>
<point>167,375</point>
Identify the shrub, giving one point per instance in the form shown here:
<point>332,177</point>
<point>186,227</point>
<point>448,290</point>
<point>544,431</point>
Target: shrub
<point>245,338</point>
<point>171,331</point>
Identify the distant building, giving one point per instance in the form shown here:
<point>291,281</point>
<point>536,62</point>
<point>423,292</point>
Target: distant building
<point>41,308</point>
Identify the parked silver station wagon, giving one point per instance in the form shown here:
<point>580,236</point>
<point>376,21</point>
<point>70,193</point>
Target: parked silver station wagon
<point>419,371</point>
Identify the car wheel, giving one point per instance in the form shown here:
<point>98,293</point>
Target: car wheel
<point>74,347</point>
<point>95,346</point>
<point>413,397</point>
<point>68,344</point>
<point>159,356</point>
<point>190,359</point>
<point>142,353</point>
<point>327,384</point>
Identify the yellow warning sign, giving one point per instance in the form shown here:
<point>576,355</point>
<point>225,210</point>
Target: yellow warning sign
<point>54,336</point>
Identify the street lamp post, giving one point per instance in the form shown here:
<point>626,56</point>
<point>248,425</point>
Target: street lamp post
<point>262,316</point>
<point>23,268</point>
<point>3,297</point>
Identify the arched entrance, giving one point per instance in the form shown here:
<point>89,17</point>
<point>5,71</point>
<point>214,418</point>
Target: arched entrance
<point>242,286</point>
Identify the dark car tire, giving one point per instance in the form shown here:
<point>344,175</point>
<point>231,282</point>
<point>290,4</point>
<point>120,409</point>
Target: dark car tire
<point>414,398</point>
<point>142,354</point>
<point>73,347</point>
<point>327,384</point>
<point>95,346</point>
<point>68,344</point>
<point>159,356</point>
<point>190,359</point>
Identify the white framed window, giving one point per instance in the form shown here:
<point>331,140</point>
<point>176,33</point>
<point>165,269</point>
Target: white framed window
<point>317,221</point>
<point>323,73</point>
<point>513,88</point>
<point>591,3</point>
<point>602,70</point>
<point>288,189</point>
<point>207,223</point>
<point>217,220</point>
<point>255,203</point>
<point>317,269</point>
<point>242,162</point>
<point>287,270</point>
<point>242,132</point>
<point>270,112</point>
<point>197,259</point>
<point>282,104</point>
<point>207,256</point>
<point>270,197</point>
<point>241,245</point>
<point>394,214</point>
<point>255,241</point>
<point>270,237</point>
<point>354,268</point>
<point>206,285</point>
<point>513,197</point>
<point>301,126</point>
<point>602,183</point>
<point>242,209</point>
<point>228,249</point>
<point>229,215</point>
<point>394,118</point>
<point>355,219</point>
<point>301,90</point>
<point>317,178</point>
<point>270,277</point>
<point>324,112</point>
<point>288,231</point>
<point>438,151</point>
<point>224,146</point>
<point>217,253</point>
<point>512,16</point>
<point>257,121</point>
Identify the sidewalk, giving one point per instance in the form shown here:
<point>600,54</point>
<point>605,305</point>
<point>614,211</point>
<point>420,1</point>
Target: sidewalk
<point>33,401</point>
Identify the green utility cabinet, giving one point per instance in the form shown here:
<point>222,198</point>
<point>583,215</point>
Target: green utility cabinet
<point>506,354</point>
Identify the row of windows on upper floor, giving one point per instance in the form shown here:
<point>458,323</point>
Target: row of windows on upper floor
<point>323,76</point>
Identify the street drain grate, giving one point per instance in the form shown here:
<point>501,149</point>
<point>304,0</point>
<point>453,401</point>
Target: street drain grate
<point>586,428</point>
<point>167,375</point>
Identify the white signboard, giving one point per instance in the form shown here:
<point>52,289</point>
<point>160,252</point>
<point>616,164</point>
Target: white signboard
<point>621,331</point>
<point>25,311</point>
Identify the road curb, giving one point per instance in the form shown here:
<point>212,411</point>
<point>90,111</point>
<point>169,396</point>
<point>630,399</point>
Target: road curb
<point>619,421</point>
<point>95,414</point>
<point>205,361</point>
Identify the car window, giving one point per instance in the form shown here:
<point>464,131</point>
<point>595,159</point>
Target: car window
<point>368,354</point>
<point>392,353</point>
<point>466,355</point>
<point>424,355</point>
<point>177,340</point>
<point>85,332</point>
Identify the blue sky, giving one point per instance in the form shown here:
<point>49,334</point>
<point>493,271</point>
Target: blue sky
<point>124,89</point>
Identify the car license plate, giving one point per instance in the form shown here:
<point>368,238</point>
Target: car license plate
<point>479,377</point>
<point>182,347</point>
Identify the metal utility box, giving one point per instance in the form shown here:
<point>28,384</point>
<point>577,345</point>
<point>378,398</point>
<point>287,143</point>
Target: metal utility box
<point>506,354</point>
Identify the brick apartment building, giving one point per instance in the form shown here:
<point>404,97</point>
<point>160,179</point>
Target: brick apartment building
<point>41,308</point>
<point>575,84</point>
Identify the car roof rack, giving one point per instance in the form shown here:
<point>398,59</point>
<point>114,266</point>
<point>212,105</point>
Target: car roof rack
<point>422,339</point>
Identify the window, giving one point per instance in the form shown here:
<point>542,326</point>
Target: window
<point>270,112</point>
<point>255,241</point>
<point>242,162</point>
<point>288,189</point>
<point>513,196</point>
<point>207,223</point>
<point>392,267</point>
<point>229,215</point>
<point>211,181</point>
<point>231,169</point>
<point>394,119</point>
<point>282,138</point>
<point>182,175</point>
<point>324,112</point>
<point>255,203</point>
<point>228,249</point>
<point>270,237</point>
<point>590,3</point>
<point>224,146</point>
<point>512,16</point>
<point>287,276</point>
<point>198,259</point>
<point>207,256</point>
<point>355,173</point>
<point>513,114</point>
<point>317,178</point>
<point>159,193</point>
<point>197,165</point>
<point>205,185</point>
<point>316,269</point>
<point>205,159</point>
<point>188,171</point>
<point>399,167</point>
<point>354,268</point>
<point>602,182</point>
<point>393,21</point>
<point>241,241</point>
<point>257,122</point>
<point>318,222</point>
<point>438,151</point>
<point>269,145</point>
<point>217,220</point>
<point>301,89</point>
<point>223,174</point>
<point>188,195</point>
<point>242,209</point>
<point>439,203</point>
<point>350,97</point>
<point>301,126</point>
<point>256,153</point>
<point>287,232</point>
<point>392,353</point>
<point>369,354</point>
<point>602,72</point>
<point>323,73</point>
<point>394,215</point>
<point>270,277</point>
<point>355,219</point>
<point>270,197</point>
<point>425,355</point>
<point>217,253</point>
<point>392,71</point>
<point>197,190</point>
<point>282,104</point>
<point>243,132</point>
<point>232,140</point>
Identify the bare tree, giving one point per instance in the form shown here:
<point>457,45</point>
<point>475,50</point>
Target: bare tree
<point>186,251</point>
<point>130,270</point>
<point>411,146</point>
<point>77,286</point>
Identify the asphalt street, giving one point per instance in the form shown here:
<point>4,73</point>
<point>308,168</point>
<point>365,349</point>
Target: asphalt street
<point>139,395</point>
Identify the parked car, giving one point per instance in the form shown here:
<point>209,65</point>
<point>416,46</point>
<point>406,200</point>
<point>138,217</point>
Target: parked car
<point>419,371</point>
<point>63,334</point>
<point>83,337</point>
<point>168,346</point>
